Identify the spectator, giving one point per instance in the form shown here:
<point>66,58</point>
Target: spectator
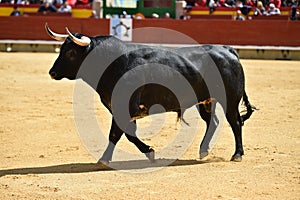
<point>61,2</point>
<point>260,9</point>
<point>277,3</point>
<point>185,16</point>
<point>155,16</point>
<point>47,7</point>
<point>249,3</point>
<point>239,4</point>
<point>23,2</point>
<point>222,3</point>
<point>294,13</point>
<point>7,1</point>
<point>57,2</point>
<point>190,4</point>
<point>124,14</point>
<point>94,14</point>
<point>201,3</point>
<point>212,6</point>
<point>297,17</point>
<point>239,16</point>
<point>16,12</point>
<point>139,16</point>
<point>71,2</point>
<point>229,3</point>
<point>167,15</point>
<point>247,7</point>
<point>291,3</point>
<point>264,2</point>
<point>65,8</point>
<point>82,2</point>
<point>273,10</point>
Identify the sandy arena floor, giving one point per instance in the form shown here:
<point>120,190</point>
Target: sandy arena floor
<point>42,156</point>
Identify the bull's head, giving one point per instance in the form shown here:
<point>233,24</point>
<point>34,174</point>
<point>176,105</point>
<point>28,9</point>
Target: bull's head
<point>72,53</point>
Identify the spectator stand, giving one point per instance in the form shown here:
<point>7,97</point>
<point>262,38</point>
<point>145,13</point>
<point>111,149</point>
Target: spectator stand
<point>48,14</point>
<point>201,12</point>
<point>283,43</point>
<point>78,11</point>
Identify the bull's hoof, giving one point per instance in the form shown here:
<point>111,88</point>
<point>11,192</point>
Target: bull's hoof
<point>151,155</point>
<point>203,155</point>
<point>103,162</point>
<point>236,158</point>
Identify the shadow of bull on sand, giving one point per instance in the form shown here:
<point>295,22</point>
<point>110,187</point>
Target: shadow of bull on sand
<point>117,165</point>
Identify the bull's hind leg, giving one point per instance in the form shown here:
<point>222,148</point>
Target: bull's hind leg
<point>212,122</point>
<point>146,149</point>
<point>138,110</point>
<point>234,119</point>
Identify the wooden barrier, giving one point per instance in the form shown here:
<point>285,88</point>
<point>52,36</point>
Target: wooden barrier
<point>32,28</point>
<point>206,17</point>
<point>229,32</point>
<point>200,10</point>
<point>271,17</point>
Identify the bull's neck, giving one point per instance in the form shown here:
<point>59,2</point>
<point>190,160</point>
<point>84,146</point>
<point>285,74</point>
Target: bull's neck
<point>102,54</point>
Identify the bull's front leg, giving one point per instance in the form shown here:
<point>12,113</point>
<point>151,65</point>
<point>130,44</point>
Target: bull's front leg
<point>114,136</point>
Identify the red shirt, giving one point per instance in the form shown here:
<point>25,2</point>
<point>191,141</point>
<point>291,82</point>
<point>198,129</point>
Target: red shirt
<point>277,3</point>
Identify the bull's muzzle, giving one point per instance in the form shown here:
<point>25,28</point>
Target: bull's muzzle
<point>53,74</point>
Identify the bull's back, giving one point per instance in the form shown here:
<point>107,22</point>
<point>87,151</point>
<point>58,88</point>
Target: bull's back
<point>223,58</point>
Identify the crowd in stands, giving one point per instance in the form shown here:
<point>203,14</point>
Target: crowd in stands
<point>259,7</point>
<point>47,6</point>
<point>189,3</point>
<point>60,6</point>
<point>52,2</point>
<point>239,3</point>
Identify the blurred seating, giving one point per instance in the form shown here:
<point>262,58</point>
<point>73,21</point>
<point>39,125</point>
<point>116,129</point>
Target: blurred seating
<point>48,14</point>
<point>271,17</point>
<point>219,16</point>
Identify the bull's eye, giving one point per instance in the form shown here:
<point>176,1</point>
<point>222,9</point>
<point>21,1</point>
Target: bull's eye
<point>71,54</point>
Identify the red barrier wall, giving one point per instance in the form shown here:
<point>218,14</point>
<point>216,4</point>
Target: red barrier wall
<point>32,28</point>
<point>250,32</point>
<point>260,32</point>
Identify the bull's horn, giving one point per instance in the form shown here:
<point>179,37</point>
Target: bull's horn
<point>83,41</point>
<point>56,36</point>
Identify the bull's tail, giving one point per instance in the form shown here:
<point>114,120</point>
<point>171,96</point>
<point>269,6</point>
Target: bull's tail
<point>249,108</point>
<point>180,117</point>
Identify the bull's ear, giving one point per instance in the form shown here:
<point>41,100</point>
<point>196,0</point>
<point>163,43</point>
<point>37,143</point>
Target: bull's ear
<point>83,41</point>
<point>56,36</point>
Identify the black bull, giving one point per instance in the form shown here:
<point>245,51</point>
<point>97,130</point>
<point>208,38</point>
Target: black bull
<point>174,78</point>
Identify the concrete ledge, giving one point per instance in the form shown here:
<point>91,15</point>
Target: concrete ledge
<point>29,46</point>
<point>245,52</point>
<point>269,54</point>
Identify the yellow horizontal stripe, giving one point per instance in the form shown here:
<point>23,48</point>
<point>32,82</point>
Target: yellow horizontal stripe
<point>79,13</point>
<point>5,11</point>
<point>85,13</point>
<point>224,12</point>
